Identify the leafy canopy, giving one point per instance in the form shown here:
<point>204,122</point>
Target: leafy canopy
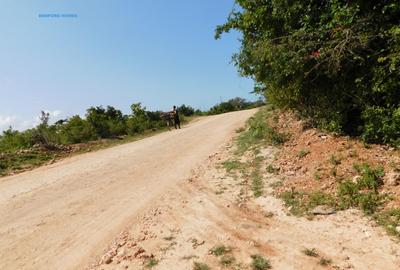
<point>336,62</point>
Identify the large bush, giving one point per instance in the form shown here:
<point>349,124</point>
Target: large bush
<point>13,139</point>
<point>141,120</point>
<point>77,130</point>
<point>186,110</point>
<point>108,122</point>
<point>336,62</point>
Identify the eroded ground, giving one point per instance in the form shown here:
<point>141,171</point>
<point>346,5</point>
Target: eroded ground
<point>213,220</point>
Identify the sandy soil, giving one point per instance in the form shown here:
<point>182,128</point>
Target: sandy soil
<point>212,208</point>
<point>165,202</point>
<point>57,216</point>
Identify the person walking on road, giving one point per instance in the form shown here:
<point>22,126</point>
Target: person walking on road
<point>177,121</point>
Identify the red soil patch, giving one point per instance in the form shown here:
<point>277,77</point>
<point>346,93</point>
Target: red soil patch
<point>315,161</point>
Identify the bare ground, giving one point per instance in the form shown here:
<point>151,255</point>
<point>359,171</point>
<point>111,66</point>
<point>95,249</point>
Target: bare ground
<point>211,209</point>
<point>57,217</point>
<point>165,202</point>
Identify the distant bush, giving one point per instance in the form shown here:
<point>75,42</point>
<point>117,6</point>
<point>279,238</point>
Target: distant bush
<point>13,139</point>
<point>235,104</point>
<point>141,120</point>
<point>77,130</point>
<point>186,110</point>
<point>108,122</point>
<point>99,122</point>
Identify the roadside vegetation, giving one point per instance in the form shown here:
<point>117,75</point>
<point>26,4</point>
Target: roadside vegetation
<point>100,128</point>
<point>336,63</point>
<point>355,185</point>
<point>334,66</point>
<point>259,131</point>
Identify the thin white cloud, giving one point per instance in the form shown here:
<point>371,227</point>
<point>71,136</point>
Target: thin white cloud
<point>7,121</point>
<point>17,123</point>
<point>55,113</point>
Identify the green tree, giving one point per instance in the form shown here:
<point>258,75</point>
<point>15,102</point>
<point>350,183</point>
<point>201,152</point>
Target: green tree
<point>108,122</point>
<point>77,130</point>
<point>137,122</point>
<point>186,110</point>
<point>13,140</point>
<point>44,134</point>
<point>336,61</point>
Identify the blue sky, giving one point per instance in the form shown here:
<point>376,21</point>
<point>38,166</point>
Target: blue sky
<point>115,53</point>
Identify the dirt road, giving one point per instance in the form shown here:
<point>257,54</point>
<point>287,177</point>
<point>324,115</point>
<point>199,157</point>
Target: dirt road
<point>57,216</point>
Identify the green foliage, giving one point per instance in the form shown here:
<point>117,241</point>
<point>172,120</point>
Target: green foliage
<point>364,192</point>
<point>257,183</point>
<point>231,165</point>
<point>235,104</point>
<point>260,131</point>
<point>100,123</point>
<point>151,263</point>
<point>220,250</point>
<point>260,263</point>
<point>186,110</point>
<point>336,62</point>
<point>22,161</point>
<point>302,202</point>
<point>324,261</point>
<point>390,220</point>
<point>108,122</point>
<point>141,120</point>
<point>272,169</point>
<point>311,252</point>
<point>294,200</point>
<point>77,130</point>
<point>227,260</point>
<point>200,266</point>
<point>12,140</point>
<point>303,153</point>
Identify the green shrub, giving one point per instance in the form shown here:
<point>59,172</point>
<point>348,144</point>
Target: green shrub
<point>227,260</point>
<point>220,250</point>
<point>200,266</point>
<point>234,104</point>
<point>231,165</point>
<point>260,263</point>
<point>390,220</point>
<point>311,252</point>
<point>77,130</point>
<point>363,193</point>
<point>260,131</point>
<point>303,153</point>
<point>12,140</point>
<point>336,62</point>
<point>108,122</point>
<point>302,202</point>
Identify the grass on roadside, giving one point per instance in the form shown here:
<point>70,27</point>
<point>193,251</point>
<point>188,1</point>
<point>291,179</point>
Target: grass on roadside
<point>14,162</point>
<point>200,266</point>
<point>231,165</point>
<point>301,203</point>
<point>151,263</point>
<point>362,193</point>
<point>257,183</point>
<point>227,260</point>
<point>310,252</point>
<point>325,262</point>
<point>220,250</point>
<point>260,263</point>
<point>259,131</point>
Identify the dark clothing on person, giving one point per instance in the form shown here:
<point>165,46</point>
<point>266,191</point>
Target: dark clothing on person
<point>177,121</point>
